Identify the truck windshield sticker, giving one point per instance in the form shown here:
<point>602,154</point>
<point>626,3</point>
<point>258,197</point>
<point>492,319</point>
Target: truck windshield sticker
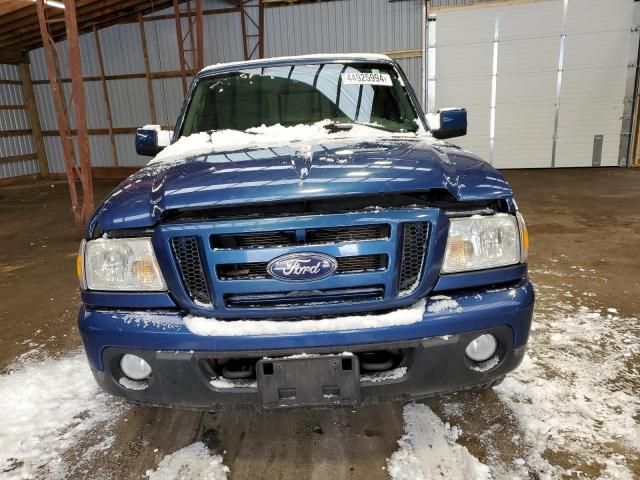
<point>357,78</point>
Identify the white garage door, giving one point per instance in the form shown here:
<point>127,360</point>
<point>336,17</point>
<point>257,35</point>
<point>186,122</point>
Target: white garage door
<point>526,74</point>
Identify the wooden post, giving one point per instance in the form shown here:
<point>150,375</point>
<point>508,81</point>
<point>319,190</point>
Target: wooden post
<point>34,119</point>
<point>199,36</point>
<point>261,28</point>
<point>61,118</point>
<point>105,94</point>
<point>634,156</point>
<point>77,89</point>
<point>243,27</point>
<point>147,71</point>
<point>183,67</point>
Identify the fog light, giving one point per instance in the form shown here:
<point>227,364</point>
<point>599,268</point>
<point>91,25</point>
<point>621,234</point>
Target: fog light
<point>482,348</point>
<point>134,367</point>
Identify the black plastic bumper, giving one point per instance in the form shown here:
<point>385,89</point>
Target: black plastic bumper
<point>432,366</point>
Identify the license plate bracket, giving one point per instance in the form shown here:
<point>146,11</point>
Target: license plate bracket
<point>322,380</point>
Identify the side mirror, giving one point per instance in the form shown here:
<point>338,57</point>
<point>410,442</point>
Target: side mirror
<point>151,140</point>
<point>448,123</point>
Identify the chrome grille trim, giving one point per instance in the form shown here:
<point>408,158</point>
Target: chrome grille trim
<point>258,270</point>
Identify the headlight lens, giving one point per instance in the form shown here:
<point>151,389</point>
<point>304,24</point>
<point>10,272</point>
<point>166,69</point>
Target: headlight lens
<point>127,264</point>
<point>480,242</point>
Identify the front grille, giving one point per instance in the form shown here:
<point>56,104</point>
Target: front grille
<point>348,234</point>
<point>254,240</point>
<point>187,255</point>
<point>258,270</point>
<point>414,247</point>
<point>305,237</point>
<point>304,297</point>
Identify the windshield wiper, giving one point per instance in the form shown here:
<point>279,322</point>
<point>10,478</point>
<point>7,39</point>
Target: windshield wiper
<point>344,126</point>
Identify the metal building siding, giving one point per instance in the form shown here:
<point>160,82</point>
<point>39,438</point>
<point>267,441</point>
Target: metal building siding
<point>54,154</point>
<point>14,120</point>
<point>129,102</point>
<point>598,46</point>
<point>168,97</point>
<point>412,68</point>
<point>223,38</point>
<point>343,26</point>
<point>594,80</point>
<point>9,72</point>
<point>121,49</point>
<point>162,45</point>
<point>463,70</point>
<point>526,90</point>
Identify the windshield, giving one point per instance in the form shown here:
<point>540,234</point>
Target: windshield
<point>370,94</point>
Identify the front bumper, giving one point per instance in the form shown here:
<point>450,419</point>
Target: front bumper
<point>434,350</point>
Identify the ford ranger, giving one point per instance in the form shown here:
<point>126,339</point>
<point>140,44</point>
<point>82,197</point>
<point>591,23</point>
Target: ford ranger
<point>304,237</point>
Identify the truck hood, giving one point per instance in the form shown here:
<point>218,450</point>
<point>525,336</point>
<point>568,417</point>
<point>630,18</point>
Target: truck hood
<point>334,168</point>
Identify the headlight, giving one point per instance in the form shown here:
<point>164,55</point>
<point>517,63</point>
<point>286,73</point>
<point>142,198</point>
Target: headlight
<point>481,242</point>
<point>127,264</point>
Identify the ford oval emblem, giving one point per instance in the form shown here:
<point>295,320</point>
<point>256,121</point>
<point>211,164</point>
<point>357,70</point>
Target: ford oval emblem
<point>301,267</point>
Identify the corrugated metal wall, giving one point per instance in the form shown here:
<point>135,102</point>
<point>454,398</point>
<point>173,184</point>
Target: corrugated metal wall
<point>338,26</point>
<point>10,119</point>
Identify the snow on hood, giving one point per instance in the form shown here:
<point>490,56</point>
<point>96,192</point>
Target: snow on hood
<point>276,163</point>
<point>269,137</point>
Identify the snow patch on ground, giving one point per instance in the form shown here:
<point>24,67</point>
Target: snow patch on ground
<point>48,408</point>
<point>298,136</point>
<point>573,392</point>
<point>194,462</point>
<point>213,327</point>
<point>429,450</point>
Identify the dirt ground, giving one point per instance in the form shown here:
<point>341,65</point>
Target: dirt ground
<point>583,224</point>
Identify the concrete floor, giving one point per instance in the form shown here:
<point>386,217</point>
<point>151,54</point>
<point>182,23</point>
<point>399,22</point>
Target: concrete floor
<point>579,220</point>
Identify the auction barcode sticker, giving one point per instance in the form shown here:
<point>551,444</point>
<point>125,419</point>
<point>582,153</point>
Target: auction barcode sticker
<point>357,78</point>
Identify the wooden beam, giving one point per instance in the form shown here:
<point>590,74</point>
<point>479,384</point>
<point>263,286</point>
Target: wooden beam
<point>27,38</point>
<point>105,96</point>
<point>10,6</point>
<point>10,82</point>
<point>199,37</point>
<point>180,38</point>
<point>104,173</point>
<point>18,158</point>
<point>12,55</point>
<point>34,119</point>
<point>13,107</point>
<point>147,71</point>
<point>416,52</point>
<point>210,11</point>
<point>261,28</point>
<point>20,179</point>
<point>77,90</point>
<point>61,116</point>
<point>128,76</point>
<point>95,131</point>
<point>635,150</point>
<point>14,133</point>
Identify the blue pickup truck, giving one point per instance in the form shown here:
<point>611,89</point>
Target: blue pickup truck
<point>304,237</point>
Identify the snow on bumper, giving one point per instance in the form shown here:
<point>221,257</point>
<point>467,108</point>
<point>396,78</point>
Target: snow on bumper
<point>511,307</point>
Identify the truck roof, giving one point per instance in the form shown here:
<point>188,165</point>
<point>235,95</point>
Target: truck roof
<point>297,59</point>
